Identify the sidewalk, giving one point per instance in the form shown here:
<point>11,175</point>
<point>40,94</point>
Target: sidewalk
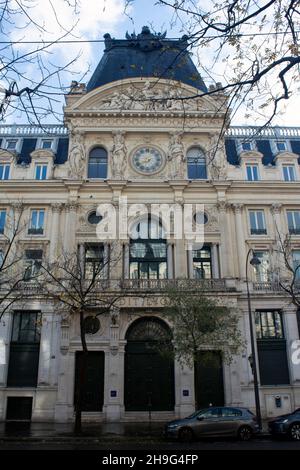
<point>90,431</point>
<point>54,432</point>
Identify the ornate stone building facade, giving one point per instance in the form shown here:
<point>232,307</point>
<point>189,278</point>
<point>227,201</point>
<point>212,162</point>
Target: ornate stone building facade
<point>136,132</point>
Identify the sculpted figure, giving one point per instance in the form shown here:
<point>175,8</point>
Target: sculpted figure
<point>176,156</point>
<point>119,153</point>
<point>217,159</point>
<point>77,157</point>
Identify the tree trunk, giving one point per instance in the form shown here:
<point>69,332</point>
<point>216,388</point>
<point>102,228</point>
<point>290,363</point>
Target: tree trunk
<point>196,359</point>
<point>82,378</point>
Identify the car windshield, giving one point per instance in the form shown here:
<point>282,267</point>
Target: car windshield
<point>196,413</point>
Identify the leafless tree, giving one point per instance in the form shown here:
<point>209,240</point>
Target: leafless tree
<point>12,270</point>
<point>250,46</point>
<point>80,293</point>
<point>289,281</point>
<point>33,95</point>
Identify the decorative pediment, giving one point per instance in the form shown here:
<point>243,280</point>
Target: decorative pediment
<point>8,157</point>
<point>148,95</point>
<point>286,157</point>
<point>42,154</point>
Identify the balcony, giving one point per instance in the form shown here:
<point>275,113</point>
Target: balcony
<point>163,284</point>
<point>271,286</point>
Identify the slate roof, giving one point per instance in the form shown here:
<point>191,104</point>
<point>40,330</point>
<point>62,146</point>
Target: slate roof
<point>146,55</point>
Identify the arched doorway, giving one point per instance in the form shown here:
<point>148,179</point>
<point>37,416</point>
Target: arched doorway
<point>149,376</point>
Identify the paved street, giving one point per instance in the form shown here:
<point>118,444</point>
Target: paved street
<point>152,445</point>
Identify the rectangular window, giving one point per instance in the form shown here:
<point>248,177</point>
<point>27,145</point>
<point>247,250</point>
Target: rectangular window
<point>289,172</point>
<point>2,220</point>
<point>271,348</point>
<point>262,271</point>
<point>293,218</point>
<point>296,263</point>
<point>246,146</point>
<point>281,146</point>
<point>252,172</point>
<point>37,219</point>
<point>41,172</point>
<point>4,171</point>
<point>202,263</point>
<point>46,144</point>
<point>94,261</point>
<point>257,222</point>
<point>33,261</point>
<point>24,349</point>
<point>11,144</point>
<point>148,260</point>
<point>269,325</point>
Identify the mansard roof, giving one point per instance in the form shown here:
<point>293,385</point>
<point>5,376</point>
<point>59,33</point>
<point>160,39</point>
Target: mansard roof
<point>146,55</point>
<point>262,140</point>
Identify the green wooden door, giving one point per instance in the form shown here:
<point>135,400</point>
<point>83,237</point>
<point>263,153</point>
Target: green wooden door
<point>149,377</point>
<point>209,387</point>
<point>94,382</point>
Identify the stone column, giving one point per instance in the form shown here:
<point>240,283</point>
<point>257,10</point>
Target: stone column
<point>106,260</point>
<point>70,227</point>
<point>45,349</point>
<point>215,261</point>
<point>61,407</point>
<point>55,231</point>
<point>114,376</point>
<point>126,260</point>
<point>292,343</point>
<point>225,239</point>
<point>240,239</point>
<point>82,257</point>
<point>190,264</point>
<point>170,260</point>
<point>5,328</point>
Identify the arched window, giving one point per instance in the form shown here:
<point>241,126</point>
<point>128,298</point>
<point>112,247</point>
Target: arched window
<point>196,163</point>
<point>148,250</point>
<point>97,167</point>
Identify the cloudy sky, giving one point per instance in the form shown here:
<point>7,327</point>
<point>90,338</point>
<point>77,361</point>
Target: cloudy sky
<point>91,19</point>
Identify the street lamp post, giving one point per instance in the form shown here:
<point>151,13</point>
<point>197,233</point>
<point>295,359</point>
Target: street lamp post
<point>254,262</point>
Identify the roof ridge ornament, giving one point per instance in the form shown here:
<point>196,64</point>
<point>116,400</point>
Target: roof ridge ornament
<point>145,41</point>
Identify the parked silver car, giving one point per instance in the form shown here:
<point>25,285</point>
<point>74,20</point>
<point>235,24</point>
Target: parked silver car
<point>214,421</point>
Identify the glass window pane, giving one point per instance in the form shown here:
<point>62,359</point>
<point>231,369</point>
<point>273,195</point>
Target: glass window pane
<point>133,271</point>
<point>153,270</point>
<point>38,172</point>
<point>162,271</point>
<point>41,219</point>
<point>138,250</point>
<point>252,220</point>
<point>260,220</point>
<point>34,219</point>
<point>249,173</point>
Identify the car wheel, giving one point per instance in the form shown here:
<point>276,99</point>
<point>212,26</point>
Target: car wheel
<point>186,434</point>
<point>295,432</point>
<point>245,433</point>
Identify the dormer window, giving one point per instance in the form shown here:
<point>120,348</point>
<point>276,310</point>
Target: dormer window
<point>46,144</point>
<point>289,172</point>
<point>281,146</point>
<point>252,172</point>
<point>11,144</point>
<point>246,146</point>
<point>41,171</point>
<point>4,171</point>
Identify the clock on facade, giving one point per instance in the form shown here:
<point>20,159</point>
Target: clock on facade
<point>147,160</point>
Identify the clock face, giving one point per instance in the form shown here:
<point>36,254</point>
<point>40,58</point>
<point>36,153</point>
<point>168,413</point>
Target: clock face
<point>147,160</point>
